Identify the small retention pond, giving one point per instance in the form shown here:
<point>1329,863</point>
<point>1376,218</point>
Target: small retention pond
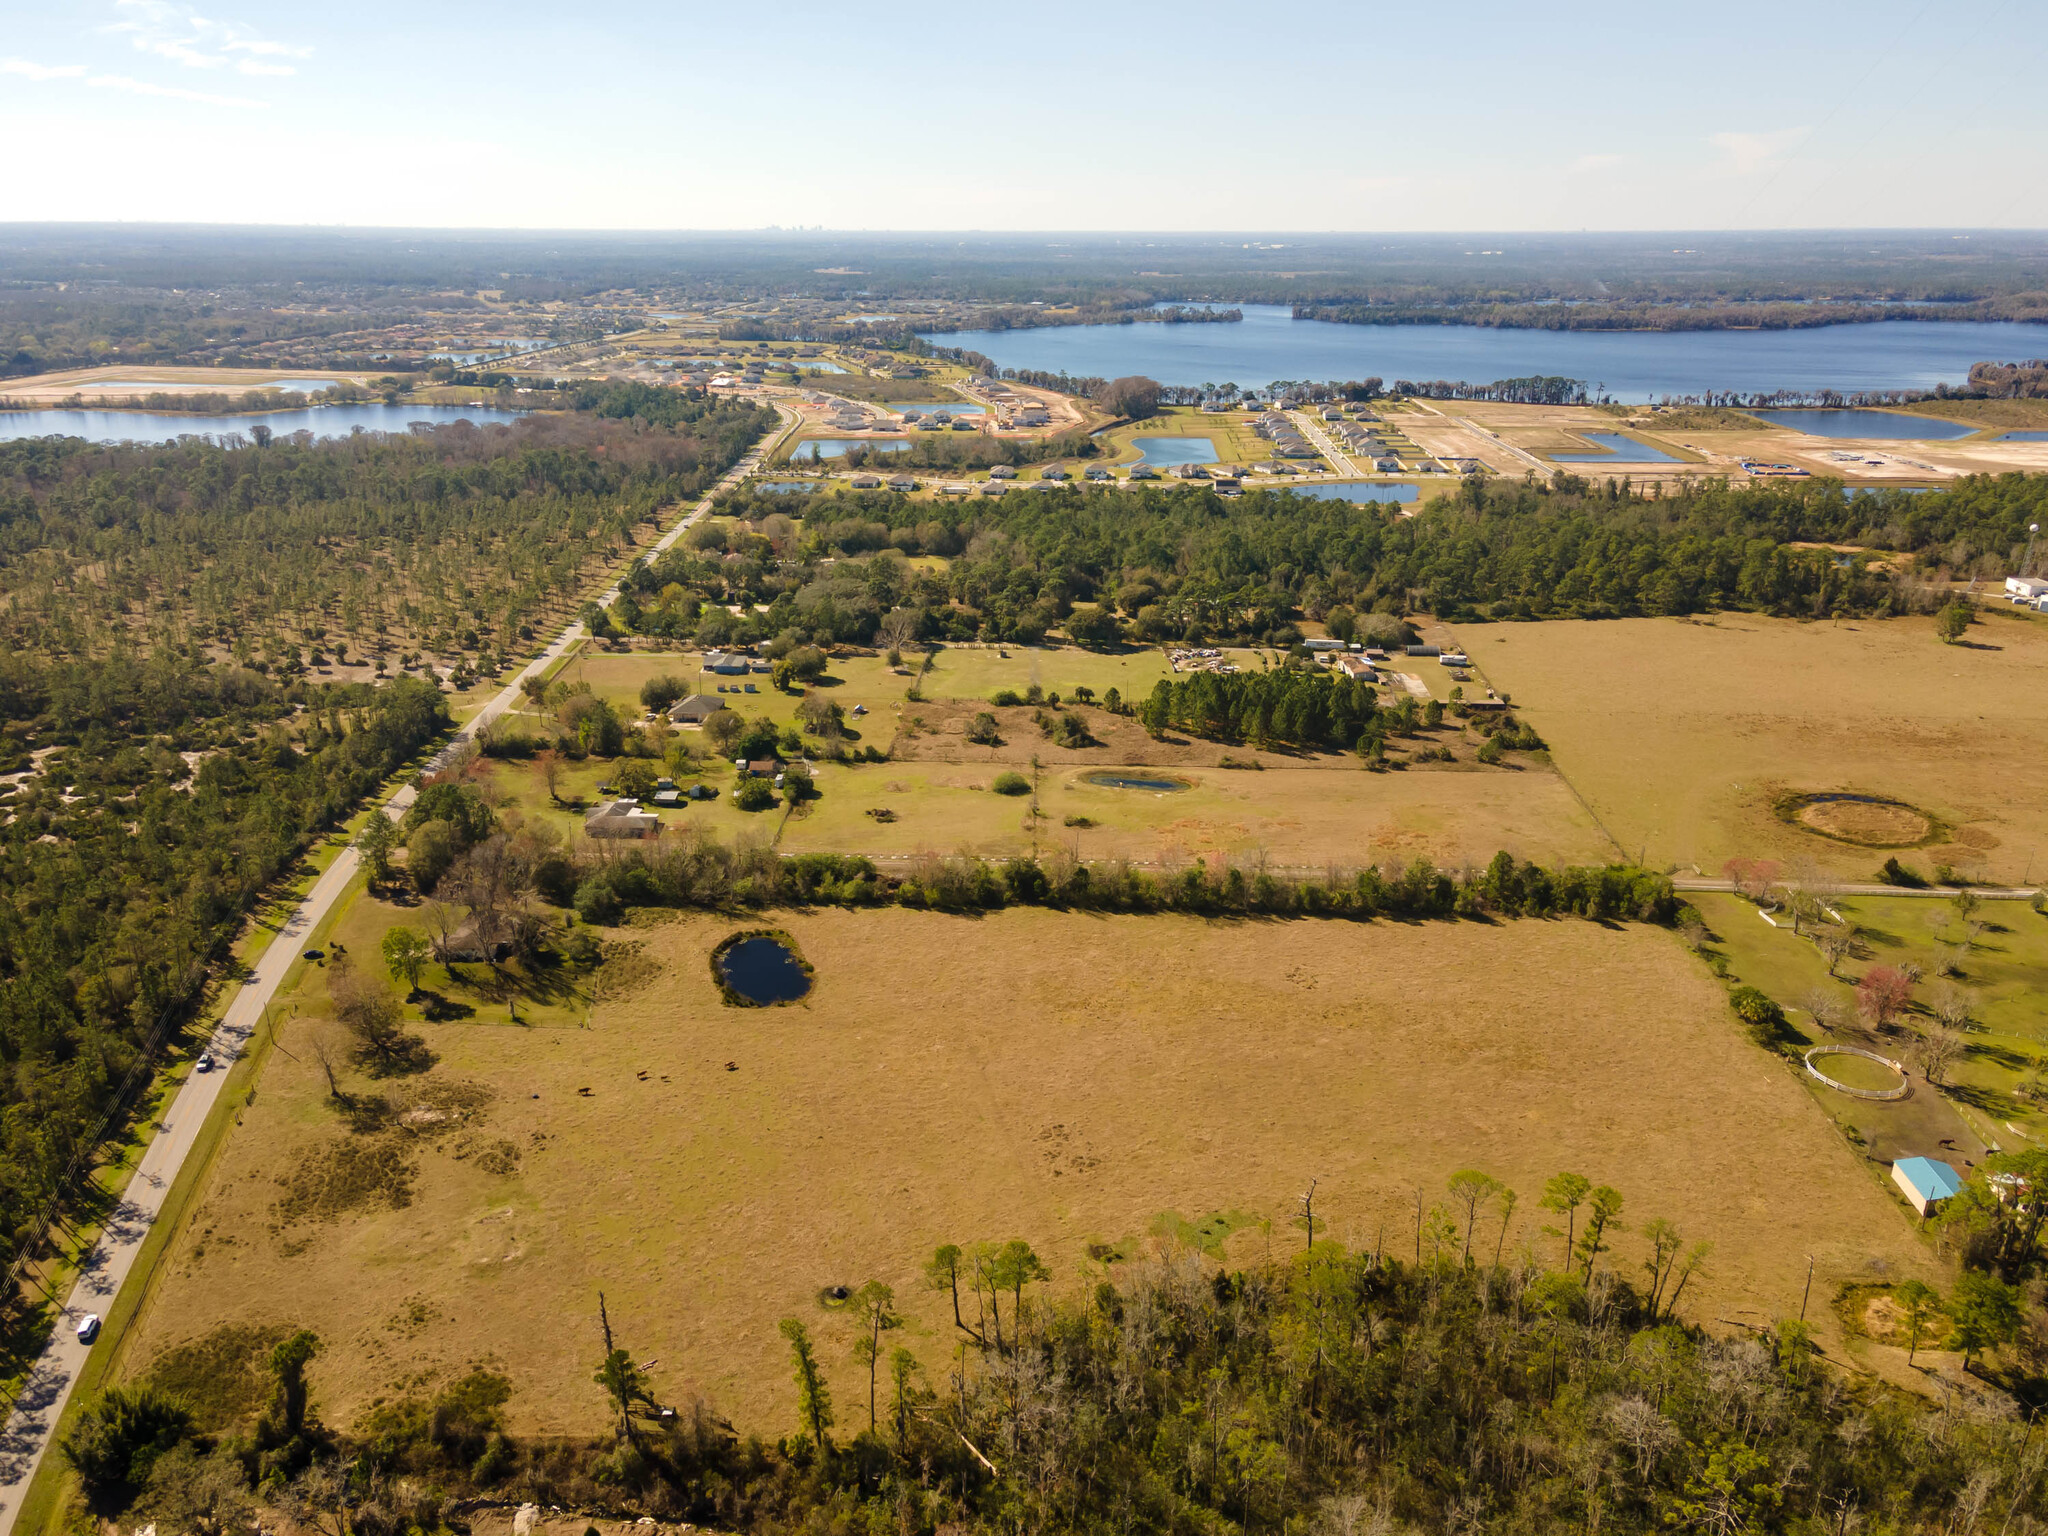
<point>760,970</point>
<point>1866,424</point>
<point>1172,452</point>
<point>832,447</point>
<point>1619,449</point>
<point>1156,783</point>
<point>1344,490</point>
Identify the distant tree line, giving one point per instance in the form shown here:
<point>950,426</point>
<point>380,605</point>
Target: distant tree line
<point>1183,564</point>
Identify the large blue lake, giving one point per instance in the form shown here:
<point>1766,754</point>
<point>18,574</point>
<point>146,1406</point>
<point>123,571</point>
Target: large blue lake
<point>198,387</point>
<point>1269,344</point>
<point>1867,424</point>
<point>322,421</point>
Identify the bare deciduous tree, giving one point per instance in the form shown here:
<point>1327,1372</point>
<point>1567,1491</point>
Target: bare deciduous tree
<point>1951,1005</point>
<point>1937,1050</point>
<point>1829,1011</point>
<point>1834,941</point>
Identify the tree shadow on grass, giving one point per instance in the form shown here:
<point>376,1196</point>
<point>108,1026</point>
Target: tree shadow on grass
<point>441,1009</point>
<point>401,1055</point>
<point>1984,1100</point>
<point>2003,1055</point>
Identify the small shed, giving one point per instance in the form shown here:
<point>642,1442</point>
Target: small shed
<point>1925,1182</point>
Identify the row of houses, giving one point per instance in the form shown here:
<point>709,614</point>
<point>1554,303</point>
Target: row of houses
<point>1285,436</point>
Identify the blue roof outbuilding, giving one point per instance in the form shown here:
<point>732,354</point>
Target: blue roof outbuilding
<point>1925,1182</point>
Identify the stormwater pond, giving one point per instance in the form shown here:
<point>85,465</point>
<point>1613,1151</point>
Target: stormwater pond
<point>1620,449</point>
<point>833,447</point>
<point>1344,490</point>
<point>1172,452</point>
<point>1853,423</point>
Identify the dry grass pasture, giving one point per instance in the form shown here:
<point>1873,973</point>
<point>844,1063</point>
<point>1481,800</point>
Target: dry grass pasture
<point>1068,1079</point>
<point>1295,818</point>
<point>1681,735</point>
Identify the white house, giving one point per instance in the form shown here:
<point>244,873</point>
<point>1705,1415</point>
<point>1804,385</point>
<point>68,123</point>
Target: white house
<point>2026,589</point>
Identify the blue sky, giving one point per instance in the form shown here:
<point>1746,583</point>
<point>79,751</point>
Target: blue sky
<point>1038,115</point>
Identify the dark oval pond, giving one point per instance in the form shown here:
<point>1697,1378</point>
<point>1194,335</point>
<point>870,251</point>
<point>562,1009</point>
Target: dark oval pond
<point>1158,784</point>
<point>764,972</point>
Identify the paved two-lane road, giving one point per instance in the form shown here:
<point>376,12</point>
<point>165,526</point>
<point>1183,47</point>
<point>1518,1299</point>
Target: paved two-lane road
<point>107,1268</point>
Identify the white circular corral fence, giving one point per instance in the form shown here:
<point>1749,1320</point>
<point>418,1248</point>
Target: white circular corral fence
<point>1905,1084</point>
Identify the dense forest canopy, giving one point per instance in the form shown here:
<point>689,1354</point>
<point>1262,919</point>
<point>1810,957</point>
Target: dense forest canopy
<point>455,538</point>
<point>172,790</point>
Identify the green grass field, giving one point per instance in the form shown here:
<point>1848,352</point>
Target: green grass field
<point>1232,435</point>
<point>2007,1040</point>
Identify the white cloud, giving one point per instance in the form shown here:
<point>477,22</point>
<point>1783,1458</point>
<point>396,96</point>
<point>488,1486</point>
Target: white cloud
<point>1745,154</point>
<point>172,92</point>
<point>41,71</point>
<point>174,33</point>
<point>1587,163</point>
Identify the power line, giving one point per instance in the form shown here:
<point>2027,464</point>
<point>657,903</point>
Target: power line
<point>1925,91</point>
<point>1841,102</point>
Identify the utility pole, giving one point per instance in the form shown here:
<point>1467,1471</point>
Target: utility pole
<point>1308,1214</point>
<point>1809,1288</point>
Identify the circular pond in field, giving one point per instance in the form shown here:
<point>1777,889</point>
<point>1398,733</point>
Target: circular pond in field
<point>760,969</point>
<point>1869,821</point>
<point>1156,783</point>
